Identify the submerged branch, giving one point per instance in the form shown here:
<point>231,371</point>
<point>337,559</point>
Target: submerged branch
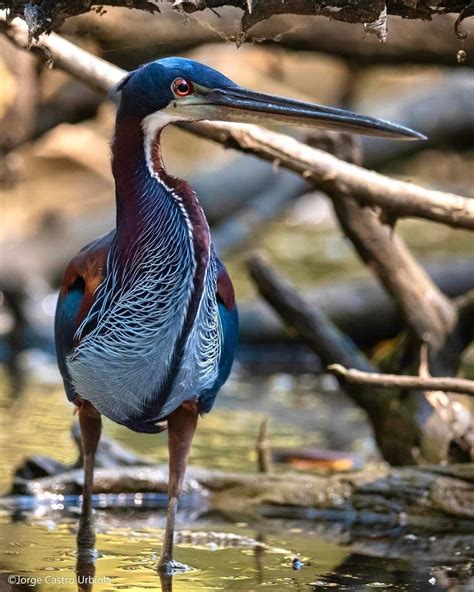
<point>408,496</point>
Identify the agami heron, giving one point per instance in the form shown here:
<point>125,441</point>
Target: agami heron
<point>146,322</point>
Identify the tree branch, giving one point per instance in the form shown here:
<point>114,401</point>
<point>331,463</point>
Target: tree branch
<point>432,431</point>
<point>390,381</point>
<point>44,16</point>
<point>361,308</point>
<point>141,38</point>
<point>427,311</point>
<point>399,199</point>
<point>315,329</point>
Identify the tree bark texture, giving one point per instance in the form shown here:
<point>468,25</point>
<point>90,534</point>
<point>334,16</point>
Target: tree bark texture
<point>44,16</point>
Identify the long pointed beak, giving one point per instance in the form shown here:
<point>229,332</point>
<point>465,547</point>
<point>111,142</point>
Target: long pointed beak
<point>242,105</point>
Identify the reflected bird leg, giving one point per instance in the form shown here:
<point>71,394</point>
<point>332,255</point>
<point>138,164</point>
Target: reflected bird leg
<point>181,427</point>
<point>166,580</point>
<point>91,425</point>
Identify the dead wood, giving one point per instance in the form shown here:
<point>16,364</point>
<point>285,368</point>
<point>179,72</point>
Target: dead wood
<point>435,497</point>
<point>433,427</point>
<point>428,313</point>
<point>139,38</point>
<point>315,329</point>
<point>264,455</point>
<point>424,496</point>
<point>44,16</point>
<point>361,308</point>
<point>430,316</point>
<point>431,496</point>
<point>399,199</point>
<point>389,381</point>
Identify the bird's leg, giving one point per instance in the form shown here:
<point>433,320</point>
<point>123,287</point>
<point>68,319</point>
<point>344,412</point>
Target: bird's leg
<point>181,427</point>
<point>91,425</point>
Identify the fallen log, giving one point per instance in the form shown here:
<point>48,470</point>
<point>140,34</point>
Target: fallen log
<point>427,496</point>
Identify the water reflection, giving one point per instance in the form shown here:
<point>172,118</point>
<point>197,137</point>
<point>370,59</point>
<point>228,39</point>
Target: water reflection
<point>85,567</point>
<point>229,557</point>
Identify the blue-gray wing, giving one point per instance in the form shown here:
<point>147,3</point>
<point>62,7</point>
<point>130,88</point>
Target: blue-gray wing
<point>80,280</point>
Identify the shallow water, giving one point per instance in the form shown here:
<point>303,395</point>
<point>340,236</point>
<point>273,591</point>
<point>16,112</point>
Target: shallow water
<point>42,554</point>
<point>37,547</point>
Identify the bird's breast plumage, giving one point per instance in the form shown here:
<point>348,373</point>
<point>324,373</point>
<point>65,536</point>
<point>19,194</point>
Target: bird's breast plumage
<point>156,335</point>
<point>153,332</point>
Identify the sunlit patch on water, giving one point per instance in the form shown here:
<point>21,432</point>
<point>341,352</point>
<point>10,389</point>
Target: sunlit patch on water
<point>221,557</point>
<point>228,559</point>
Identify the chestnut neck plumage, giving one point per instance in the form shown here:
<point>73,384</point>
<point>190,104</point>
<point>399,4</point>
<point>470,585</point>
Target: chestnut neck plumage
<point>143,186</point>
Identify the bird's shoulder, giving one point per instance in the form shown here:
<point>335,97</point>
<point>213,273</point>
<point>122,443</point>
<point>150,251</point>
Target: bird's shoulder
<point>89,264</point>
<point>84,274</point>
<point>80,281</point>
<point>225,288</point>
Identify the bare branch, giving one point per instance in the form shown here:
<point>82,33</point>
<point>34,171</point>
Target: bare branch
<point>81,64</point>
<point>310,323</point>
<point>399,199</point>
<point>390,381</point>
<point>360,308</point>
<point>427,311</point>
<point>264,455</point>
<point>315,329</point>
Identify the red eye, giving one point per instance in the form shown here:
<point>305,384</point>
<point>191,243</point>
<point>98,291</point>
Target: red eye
<point>182,87</point>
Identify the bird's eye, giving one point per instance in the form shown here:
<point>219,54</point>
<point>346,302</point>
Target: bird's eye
<point>182,87</point>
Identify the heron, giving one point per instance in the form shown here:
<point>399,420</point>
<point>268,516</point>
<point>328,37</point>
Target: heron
<point>146,325</point>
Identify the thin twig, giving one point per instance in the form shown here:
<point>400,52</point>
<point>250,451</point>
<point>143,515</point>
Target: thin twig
<point>263,450</point>
<point>399,199</point>
<point>389,381</point>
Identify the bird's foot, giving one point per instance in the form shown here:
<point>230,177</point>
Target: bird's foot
<point>171,567</point>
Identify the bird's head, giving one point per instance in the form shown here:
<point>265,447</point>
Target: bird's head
<point>178,89</point>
